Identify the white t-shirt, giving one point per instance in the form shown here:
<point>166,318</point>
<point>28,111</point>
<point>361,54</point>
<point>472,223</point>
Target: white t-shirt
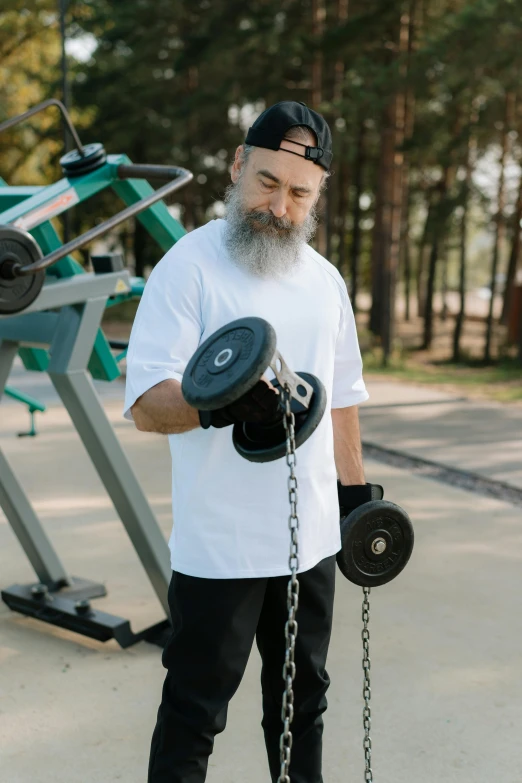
<point>231,515</point>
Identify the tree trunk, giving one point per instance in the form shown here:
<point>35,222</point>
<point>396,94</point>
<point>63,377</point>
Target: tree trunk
<point>383,218</point>
<point>341,202</point>
<point>378,238</point>
<point>437,231</point>
<point>520,338</point>
<point>439,228</point>
<point>392,257</point>
<point>420,288</point>
<point>444,282</point>
<point>407,272</point>
<point>409,122</point>
<point>459,321</point>
<point>499,221</point>
<point>356,231</point>
<point>513,257</point>
<point>430,288</point>
<point>318,17</point>
<point>330,203</point>
<point>342,16</point>
<point>343,191</point>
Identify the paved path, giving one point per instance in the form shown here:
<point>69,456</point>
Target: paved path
<point>446,636</point>
<point>485,438</point>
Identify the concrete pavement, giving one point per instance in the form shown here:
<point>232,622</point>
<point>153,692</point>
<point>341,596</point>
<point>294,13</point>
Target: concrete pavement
<point>484,438</point>
<point>446,636</point>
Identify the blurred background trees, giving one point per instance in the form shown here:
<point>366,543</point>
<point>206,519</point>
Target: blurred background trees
<point>423,97</point>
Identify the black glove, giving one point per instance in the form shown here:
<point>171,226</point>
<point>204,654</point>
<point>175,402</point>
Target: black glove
<point>355,495</point>
<point>260,405</point>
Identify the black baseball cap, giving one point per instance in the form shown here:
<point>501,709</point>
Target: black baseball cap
<point>271,126</point>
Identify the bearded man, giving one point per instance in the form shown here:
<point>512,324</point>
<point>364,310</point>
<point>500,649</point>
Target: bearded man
<point>230,540</point>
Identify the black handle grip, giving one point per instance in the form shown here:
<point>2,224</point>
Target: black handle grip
<point>148,171</point>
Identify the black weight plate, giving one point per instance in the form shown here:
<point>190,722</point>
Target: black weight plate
<point>87,168</point>
<point>228,363</point>
<point>265,444</point>
<point>362,531</point>
<point>18,247</point>
<point>73,164</point>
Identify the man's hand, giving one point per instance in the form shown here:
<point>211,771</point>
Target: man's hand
<point>355,495</point>
<point>260,405</point>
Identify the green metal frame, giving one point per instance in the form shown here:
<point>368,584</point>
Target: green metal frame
<point>160,224</point>
<point>32,404</point>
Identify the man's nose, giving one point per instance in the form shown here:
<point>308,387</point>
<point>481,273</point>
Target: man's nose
<point>278,204</point>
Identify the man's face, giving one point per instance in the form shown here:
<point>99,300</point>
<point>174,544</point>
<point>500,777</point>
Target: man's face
<point>270,209</point>
<point>278,182</point>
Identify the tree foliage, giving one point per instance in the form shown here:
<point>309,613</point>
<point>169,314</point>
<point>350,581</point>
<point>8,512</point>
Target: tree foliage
<point>407,87</point>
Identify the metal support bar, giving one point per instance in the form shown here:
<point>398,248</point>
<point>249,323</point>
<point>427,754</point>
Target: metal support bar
<point>19,512</point>
<point>69,353</point>
<point>81,401</point>
<point>27,528</point>
<point>72,340</point>
<point>8,351</point>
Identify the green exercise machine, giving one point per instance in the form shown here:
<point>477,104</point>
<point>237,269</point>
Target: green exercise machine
<point>50,315</point>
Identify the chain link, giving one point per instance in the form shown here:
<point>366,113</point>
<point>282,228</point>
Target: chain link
<point>367,691</point>
<point>289,671</point>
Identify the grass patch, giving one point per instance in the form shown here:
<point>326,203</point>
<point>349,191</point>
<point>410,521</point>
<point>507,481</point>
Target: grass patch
<point>501,381</point>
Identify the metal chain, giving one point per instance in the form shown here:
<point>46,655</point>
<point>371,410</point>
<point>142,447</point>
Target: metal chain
<point>367,691</point>
<point>289,671</point>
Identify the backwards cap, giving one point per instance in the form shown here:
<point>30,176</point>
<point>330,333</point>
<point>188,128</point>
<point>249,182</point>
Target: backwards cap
<point>271,127</point>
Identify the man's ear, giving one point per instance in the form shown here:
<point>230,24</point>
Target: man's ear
<point>237,165</point>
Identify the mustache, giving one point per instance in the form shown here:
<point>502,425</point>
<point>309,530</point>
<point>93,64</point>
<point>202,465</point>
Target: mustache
<point>269,220</point>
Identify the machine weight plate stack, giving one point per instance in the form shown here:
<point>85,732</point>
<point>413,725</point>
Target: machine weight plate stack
<point>18,248</point>
<point>229,363</point>
<point>75,164</point>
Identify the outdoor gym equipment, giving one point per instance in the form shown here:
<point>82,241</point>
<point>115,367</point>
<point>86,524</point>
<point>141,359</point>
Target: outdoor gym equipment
<point>15,249</point>
<point>50,314</point>
<point>377,537</point>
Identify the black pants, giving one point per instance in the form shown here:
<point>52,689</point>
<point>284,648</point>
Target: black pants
<point>215,622</point>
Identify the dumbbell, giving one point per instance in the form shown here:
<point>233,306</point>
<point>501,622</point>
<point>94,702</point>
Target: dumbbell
<point>376,540</point>
<point>229,363</point>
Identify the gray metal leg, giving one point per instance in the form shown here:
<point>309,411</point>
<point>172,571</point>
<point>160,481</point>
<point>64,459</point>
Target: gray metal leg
<point>28,529</point>
<point>8,351</point>
<point>19,512</point>
<point>70,351</point>
<point>81,400</point>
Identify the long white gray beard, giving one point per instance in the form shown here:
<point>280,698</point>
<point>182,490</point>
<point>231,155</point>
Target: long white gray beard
<point>261,243</point>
